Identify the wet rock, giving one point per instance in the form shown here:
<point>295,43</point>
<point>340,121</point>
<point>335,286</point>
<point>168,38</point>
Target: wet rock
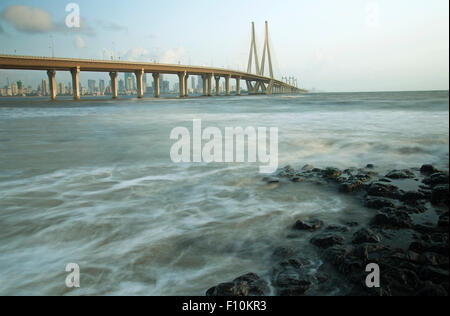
<point>378,203</point>
<point>384,190</point>
<point>370,166</point>
<point>400,174</point>
<point>296,179</point>
<point>327,240</point>
<point>289,279</point>
<point>443,220</point>
<point>350,186</point>
<point>307,167</point>
<point>322,277</point>
<point>412,197</point>
<point>365,235</point>
<point>434,274</point>
<point>271,180</point>
<point>428,169</point>
<point>439,195</point>
<point>337,229</point>
<point>283,253</point>
<point>311,226</point>
<point>428,288</point>
<point>352,224</point>
<point>331,173</point>
<point>436,179</point>
<point>392,218</point>
<point>247,285</point>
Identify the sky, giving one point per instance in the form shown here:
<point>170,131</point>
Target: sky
<point>329,45</point>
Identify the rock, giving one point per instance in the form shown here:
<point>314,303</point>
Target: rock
<point>434,274</point>
<point>322,277</point>
<point>247,285</point>
<point>378,203</point>
<point>412,197</point>
<point>296,179</point>
<point>312,225</point>
<point>327,240</point>
<point>443,220</point>
<point>352,224</point>
<point>289,279</point>
<point>350,186</point>
<point>439,195</point>
<point>428,169</point>
<point>283,253</point>
<point>307,167</point>
<point>436,179</point>
<point>370,166</point>
<point>384,190</point>
<point>331,173</point>
<point>337,229</point>
<point>391,218</point>
<point>428,288</point>
<point>271,180</point>
<point>365,235</point>
<point>400,174</point>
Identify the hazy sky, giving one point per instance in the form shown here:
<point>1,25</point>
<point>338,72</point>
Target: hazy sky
<point>345,45</point>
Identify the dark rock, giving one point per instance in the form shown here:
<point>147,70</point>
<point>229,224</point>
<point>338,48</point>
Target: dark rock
<point>337,229</point>
<point>384,190</point>
<point>378,203</point>
<point>350,186</point>
<point>385,180</point>
<point>289,279</point>
<point>307,167</point>
<point>331,173</point>
<point>365,235</point>
<point>283,253</point>
<point>271,180</point>
<point>391,218</point>
<point>312,225</point>
<point>370,166</point>
<point>247,285</point>
<point>439,195</point>
<point>400,174</point>
<point>428,169</point>
<point>327,240</point>
<point>436,179</point>
<point>411,197</point>
<point>434,274</point>
<point>322,277</point>
<point>443,220</point>
<point>296,179</point>
<point>352,224</point>
<point>428,288</point>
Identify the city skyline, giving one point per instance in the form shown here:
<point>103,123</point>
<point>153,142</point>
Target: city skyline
<point>359,46</point>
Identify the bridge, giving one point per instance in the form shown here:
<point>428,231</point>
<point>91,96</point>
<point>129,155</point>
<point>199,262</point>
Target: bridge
<point>257,82</point>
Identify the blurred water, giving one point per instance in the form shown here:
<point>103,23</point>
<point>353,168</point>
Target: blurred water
<point>92,182</point>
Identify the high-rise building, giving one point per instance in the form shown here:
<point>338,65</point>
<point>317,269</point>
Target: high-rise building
<point>121,86</point>
<point>15,89</point>
<point>101,86</point>
<point>193,84</point>
<point>61,88</point>
<point>91,86</point>
<point>130,82</point>
<point>21,87</point>
<point>165,87</point>
<point>44,88</point>
<point>199,84</point>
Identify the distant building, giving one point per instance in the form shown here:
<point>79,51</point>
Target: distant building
<point>101,87</point>
<point>165,87</point>
<point>130,82</point>
<point>44,87</point>
<point>91,86</point>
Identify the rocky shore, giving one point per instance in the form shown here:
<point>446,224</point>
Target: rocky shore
<point>406,235</point>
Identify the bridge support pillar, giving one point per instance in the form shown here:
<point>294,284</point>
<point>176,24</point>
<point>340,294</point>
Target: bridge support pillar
<point>113,76</point>
<point>156,91</point>
<point>181,80</point>
<point>186,85</point>
<point>205,85</point>
<point>227,85</point>
<point>209,85</point>
<point>52,83</point>
<point>76,83</point>
<point>238,86</point>
<point>217,85</point>
<point>140,89</point>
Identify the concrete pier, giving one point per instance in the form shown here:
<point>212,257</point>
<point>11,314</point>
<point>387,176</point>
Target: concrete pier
<point>186,85</point>
<point>52,83</point>
<point>75,83</point>
<point>227,85</point>
<point>140,90</point>
<point>181,80</point>
<point>113,76</point>
<point>238,86</point>
<point>156,90</point>
<point>217,85</point>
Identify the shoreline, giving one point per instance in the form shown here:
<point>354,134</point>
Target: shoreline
<point>406,235</point>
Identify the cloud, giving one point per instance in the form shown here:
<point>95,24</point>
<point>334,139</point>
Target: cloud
<point>172,56</point>
<point>79,42</point>
<point>35,20</point>
<point>111,26</point>
<point>28,19</point>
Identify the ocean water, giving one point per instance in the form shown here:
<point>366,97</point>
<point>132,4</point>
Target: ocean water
<point>92,182</point>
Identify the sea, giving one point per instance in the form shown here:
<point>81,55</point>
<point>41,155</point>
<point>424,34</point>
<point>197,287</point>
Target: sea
<point>92,182</point>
